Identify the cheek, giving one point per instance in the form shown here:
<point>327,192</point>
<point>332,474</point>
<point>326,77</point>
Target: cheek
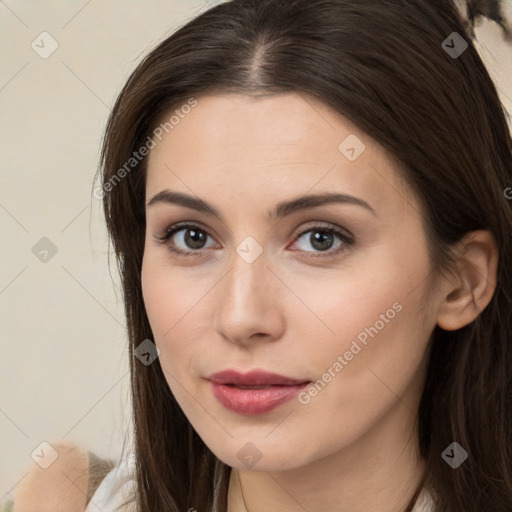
<point>169,294</point>
<point>175,303</point>
<point>155,292</point>
<point>377,336</point>
<point>341,305</point>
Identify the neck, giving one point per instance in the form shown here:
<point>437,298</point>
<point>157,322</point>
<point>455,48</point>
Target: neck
<point>379,471</point>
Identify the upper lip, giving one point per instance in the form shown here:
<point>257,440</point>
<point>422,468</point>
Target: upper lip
<point>253,378</point>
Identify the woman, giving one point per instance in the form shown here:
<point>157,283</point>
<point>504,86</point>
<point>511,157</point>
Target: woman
<point>310,208</point>
<point>256,103</point>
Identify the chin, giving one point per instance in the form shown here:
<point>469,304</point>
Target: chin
<point>261,454</point>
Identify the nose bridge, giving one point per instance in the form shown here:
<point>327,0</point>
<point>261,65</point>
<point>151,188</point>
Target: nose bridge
<point>248,278</point>
<point>248,296</point>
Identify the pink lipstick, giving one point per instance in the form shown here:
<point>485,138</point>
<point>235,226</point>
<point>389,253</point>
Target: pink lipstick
<point>253,393</point>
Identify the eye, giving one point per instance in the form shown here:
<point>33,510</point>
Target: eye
<point>322,239</point>
<point>192,239</point>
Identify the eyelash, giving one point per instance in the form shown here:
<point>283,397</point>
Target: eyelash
<point>165,237</point>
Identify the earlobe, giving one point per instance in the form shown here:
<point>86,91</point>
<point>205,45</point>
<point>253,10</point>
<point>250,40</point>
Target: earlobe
<point>471,288</point>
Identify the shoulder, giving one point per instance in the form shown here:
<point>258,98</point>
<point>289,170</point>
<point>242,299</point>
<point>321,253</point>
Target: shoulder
<point>75,481</point>
<point>116,488</point>
<point>425,502</point>
<point>62,485</point>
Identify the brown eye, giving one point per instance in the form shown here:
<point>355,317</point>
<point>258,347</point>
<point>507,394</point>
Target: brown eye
<point>190,238</point>
<point>322,239</point>
<point>193,238</point>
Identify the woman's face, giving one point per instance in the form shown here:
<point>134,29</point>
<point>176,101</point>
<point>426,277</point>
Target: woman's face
<point>340,310</point>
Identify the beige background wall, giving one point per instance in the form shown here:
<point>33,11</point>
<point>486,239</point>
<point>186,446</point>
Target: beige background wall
<point>63,368</point>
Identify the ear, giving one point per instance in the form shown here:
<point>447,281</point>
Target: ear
<point>472,286</point>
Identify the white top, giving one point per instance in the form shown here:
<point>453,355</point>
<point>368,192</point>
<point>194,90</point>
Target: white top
<point>119,485</point>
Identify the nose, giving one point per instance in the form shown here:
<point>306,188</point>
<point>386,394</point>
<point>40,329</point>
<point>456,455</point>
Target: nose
<point>251,301</point>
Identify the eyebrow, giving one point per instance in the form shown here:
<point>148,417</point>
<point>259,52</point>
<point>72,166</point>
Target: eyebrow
<point>281,210</point>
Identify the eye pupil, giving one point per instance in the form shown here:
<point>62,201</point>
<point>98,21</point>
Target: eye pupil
<point>194,238</point>
<point>319,238</point>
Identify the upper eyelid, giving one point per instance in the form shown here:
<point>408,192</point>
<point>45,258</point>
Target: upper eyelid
<point>312,224</point>
<point>174,228</point>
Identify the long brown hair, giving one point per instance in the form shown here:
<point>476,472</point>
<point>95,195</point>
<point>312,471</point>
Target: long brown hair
<point>384,65</point>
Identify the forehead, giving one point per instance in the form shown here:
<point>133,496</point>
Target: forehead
<point>228,144</point>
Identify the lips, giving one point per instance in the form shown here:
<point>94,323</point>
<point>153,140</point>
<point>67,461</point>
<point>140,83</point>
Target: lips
<point>253,393</point>
<point>255,378</point>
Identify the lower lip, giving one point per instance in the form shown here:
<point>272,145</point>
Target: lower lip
<point>252,402</point>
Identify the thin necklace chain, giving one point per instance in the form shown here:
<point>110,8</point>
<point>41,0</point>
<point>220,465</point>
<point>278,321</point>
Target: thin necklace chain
<point>242,491</point>
<point>416,501</point>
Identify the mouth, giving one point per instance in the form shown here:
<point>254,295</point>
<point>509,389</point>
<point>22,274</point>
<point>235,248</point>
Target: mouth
<point>253,379</point>
<point>250,387</point>
<point>254,393</point>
